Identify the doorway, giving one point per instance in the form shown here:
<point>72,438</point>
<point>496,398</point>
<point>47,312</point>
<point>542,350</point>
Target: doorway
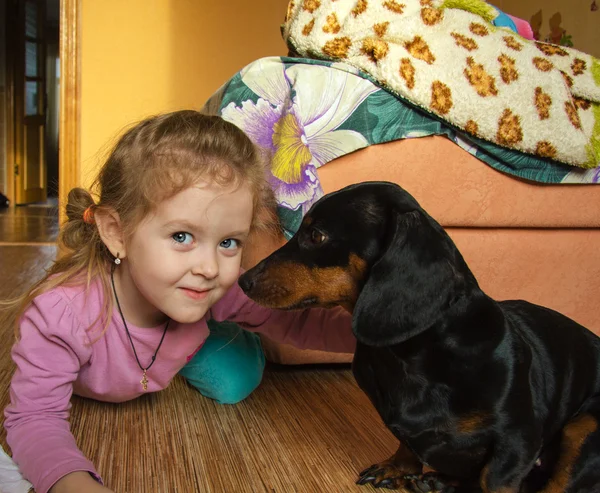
<point>29,100</point>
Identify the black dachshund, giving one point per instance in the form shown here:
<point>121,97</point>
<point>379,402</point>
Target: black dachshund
<point>499,397</point>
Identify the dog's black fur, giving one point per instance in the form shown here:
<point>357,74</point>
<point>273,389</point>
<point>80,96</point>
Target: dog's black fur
<point>499,397</point>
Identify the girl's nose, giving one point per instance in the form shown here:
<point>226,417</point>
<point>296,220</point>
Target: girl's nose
<point>206,265</point>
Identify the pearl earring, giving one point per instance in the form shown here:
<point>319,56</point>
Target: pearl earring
<point>117,260</point>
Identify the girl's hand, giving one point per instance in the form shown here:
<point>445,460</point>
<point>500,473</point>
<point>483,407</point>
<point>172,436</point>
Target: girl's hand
<point>78,481</point>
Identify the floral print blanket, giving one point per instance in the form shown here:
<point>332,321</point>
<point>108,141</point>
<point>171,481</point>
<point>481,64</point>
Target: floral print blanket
<point>303,113</point>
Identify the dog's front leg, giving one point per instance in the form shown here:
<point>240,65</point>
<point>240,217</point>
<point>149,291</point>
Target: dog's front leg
<point>391,473</point>
<point>508,467</point>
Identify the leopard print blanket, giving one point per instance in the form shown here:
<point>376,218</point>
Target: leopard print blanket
<point>539,98</point>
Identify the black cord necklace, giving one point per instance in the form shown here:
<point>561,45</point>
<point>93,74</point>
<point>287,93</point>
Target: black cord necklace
<point>144,380</point>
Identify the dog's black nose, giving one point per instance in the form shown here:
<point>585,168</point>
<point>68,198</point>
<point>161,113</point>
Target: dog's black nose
<point>246,282</point>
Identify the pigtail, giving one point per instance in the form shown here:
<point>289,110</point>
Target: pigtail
<point>84,255</point>
<point>79,231</point>
<point>81,257</point>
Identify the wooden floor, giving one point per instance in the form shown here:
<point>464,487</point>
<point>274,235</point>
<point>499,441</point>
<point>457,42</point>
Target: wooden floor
<point>305,429</point>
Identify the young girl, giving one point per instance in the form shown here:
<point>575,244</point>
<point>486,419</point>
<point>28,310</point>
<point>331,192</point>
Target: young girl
<point>144,270</point>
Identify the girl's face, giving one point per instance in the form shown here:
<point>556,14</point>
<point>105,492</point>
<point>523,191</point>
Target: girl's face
<point>184,256</point>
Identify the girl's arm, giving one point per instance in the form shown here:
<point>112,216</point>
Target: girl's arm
<point>314,328</point>
<point>77,482</point>
<point>51,350</point>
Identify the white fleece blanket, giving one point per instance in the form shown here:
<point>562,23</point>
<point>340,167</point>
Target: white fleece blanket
<point>448,58</point>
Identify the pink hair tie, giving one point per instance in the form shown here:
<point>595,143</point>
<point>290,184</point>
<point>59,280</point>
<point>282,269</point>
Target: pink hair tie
<point>88,215</point>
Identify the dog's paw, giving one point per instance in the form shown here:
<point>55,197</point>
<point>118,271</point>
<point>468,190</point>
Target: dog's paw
<point>431,482</point>
<point>385,475</point>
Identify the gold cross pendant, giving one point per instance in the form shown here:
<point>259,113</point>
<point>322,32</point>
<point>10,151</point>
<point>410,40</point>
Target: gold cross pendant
<point>144,381</point>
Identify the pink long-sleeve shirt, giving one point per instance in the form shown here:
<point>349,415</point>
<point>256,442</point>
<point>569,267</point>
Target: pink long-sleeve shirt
<point>55,358</point>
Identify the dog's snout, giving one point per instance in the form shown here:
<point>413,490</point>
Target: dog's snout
<point>246,282</point>
<point>249,279</point>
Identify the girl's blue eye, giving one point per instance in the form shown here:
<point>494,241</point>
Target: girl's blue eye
<point>229,244</point>
<point>182,238</point>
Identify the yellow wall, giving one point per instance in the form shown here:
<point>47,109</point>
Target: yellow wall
<point>576,16</point>
<point>141,57</point>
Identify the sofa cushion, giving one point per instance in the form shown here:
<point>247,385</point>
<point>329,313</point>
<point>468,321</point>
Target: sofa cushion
<point>459,190</point>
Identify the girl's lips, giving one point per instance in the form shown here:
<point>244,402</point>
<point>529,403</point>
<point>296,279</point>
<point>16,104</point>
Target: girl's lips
<point>195,295</point>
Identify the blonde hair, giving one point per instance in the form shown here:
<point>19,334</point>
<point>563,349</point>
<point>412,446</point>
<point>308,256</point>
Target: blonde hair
<point>153,161</point>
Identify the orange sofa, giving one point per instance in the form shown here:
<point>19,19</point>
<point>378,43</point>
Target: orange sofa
<point>522,240</point>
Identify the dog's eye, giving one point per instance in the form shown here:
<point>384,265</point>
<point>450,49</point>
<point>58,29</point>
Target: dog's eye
<point>316,237</point>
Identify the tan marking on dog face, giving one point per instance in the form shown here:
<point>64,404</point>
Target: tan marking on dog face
<point>578,66</point>
<point>394,6</point>
<point>419,49</point>
<point>381,29</point>
<point>543,102</point>
<point>307,29</point>
<point>545,149</point>
<point>375,49</point>
<point>573,115</point>
<point>441,97</point>
<point>465,42</point>
<point>311,5</point>
<point>286,284</point>
<point>542,64</point>
<point>332,25</point>
<point>512,43</point>
<point>338,47</point>
<point>472,127</point>
<point>431,16</point>
<point>425,3</point>
<point>550,50</point>
<point>357,267</point>
<point>478,29</point>
<point>508,72</point>
<point>307,221</point>
<point>484,84</point>
<point>361,6</point>
<point>509,128</point>
<point>407,72</point>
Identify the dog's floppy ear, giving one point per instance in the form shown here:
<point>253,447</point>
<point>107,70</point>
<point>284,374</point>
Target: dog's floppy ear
<point>412,283</point>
